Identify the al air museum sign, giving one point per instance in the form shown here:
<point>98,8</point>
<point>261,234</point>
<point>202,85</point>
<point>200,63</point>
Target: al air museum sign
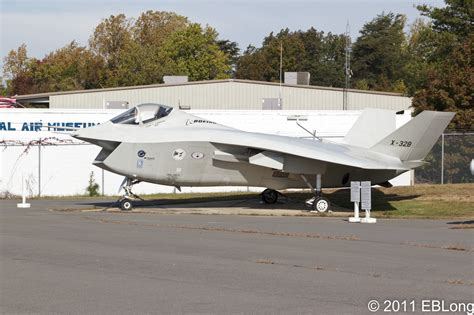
<point>39,126</point>
<point>24,124</point>
<point>37,120</point>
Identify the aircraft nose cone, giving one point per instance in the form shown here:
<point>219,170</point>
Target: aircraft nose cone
<point>81,133</point>
<point>85,134</point>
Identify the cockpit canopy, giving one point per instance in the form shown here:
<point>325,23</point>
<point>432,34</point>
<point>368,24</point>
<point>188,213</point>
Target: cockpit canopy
<point>142,114</point>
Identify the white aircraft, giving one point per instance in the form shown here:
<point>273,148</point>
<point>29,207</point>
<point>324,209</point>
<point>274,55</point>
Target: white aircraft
<point>159,144</point>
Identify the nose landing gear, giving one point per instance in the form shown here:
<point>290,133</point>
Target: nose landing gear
<point>125,202</point>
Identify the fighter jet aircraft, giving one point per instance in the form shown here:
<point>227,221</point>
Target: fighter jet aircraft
<point>163,145</point>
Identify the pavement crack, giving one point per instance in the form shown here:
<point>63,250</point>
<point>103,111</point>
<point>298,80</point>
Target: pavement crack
<point>269,261</point>
<point>455,247</point>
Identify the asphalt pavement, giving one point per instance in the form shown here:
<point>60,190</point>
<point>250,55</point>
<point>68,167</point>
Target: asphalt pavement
<point>60,257</point>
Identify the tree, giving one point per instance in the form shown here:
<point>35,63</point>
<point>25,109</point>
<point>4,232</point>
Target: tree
<point>3,87</point>
<point>92,188</point>
<point>193,51</point>
<point>231,49</point>
<point>418,54</point>
<point>16,62</point>
<point>124,52</point>
<point>290,46</point>
<point>321,55</point>
<point>449,83</point>
<point>17,71</point>
<point>108,42</point>
<point>456,18</point>
<point>378,52</point>
<point>138,65</point>
<point>251,65</point>
<point>157,43</point>
<point>325,57</point>
<point>450,87</point>
<point>131,50</point>
<point>72,67</point>
<point>152,28</point>
<point>68,68</point>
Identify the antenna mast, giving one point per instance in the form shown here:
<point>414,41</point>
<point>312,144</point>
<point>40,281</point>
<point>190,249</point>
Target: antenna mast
<point>347,67</point>
<point>281,71</point>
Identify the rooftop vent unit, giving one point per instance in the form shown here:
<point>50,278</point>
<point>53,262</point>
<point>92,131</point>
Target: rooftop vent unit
<point>116,104</point>
<point>297,78</point>
<point>175,79</point>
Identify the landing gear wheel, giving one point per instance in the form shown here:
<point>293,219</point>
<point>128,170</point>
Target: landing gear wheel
<point>321,205</point>
<point>126,204</point>
<point>269,196</point>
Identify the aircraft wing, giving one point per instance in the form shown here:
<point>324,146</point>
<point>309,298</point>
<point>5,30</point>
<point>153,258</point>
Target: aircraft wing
<point>271,151</point>
<point>236,145</point>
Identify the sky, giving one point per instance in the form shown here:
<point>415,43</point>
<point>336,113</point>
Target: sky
<point>47,25</point>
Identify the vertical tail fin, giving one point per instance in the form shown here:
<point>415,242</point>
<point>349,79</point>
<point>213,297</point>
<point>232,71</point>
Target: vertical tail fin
<point>372,126</point>
<point>414,140</point>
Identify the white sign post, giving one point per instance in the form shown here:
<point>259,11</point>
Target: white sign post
<point>366,202</point>
<point>355,198</point>
<point>23,204</point>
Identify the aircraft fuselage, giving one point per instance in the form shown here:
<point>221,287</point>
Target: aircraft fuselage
<point>199,164</point>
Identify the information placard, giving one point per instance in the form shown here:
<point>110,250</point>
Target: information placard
<point>355,191</point>
<point>366,190</point>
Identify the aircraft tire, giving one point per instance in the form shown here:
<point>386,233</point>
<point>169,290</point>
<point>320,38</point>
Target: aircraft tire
<point>269,196</point>
<point>126,204</point>
<point>321,205</point>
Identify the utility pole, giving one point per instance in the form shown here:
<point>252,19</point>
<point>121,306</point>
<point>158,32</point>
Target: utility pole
<point>347,68</point>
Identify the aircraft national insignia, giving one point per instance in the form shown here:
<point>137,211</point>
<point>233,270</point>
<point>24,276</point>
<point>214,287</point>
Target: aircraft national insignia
<point>141,153</point>
<point>197,155</point>
<point>179,154</point>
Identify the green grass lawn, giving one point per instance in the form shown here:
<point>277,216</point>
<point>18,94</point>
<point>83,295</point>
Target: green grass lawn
<point>419,201</point>
<point>428,209</point>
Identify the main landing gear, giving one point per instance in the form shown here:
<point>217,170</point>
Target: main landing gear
<point>125,202</point>
<point>270,196</point>
<point>318,203</point>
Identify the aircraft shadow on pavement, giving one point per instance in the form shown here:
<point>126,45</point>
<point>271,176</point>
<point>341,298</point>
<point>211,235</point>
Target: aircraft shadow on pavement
<point>251,202</point>
<point>461,222</point>
<point>340,199</point>
<point>380,201</point>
